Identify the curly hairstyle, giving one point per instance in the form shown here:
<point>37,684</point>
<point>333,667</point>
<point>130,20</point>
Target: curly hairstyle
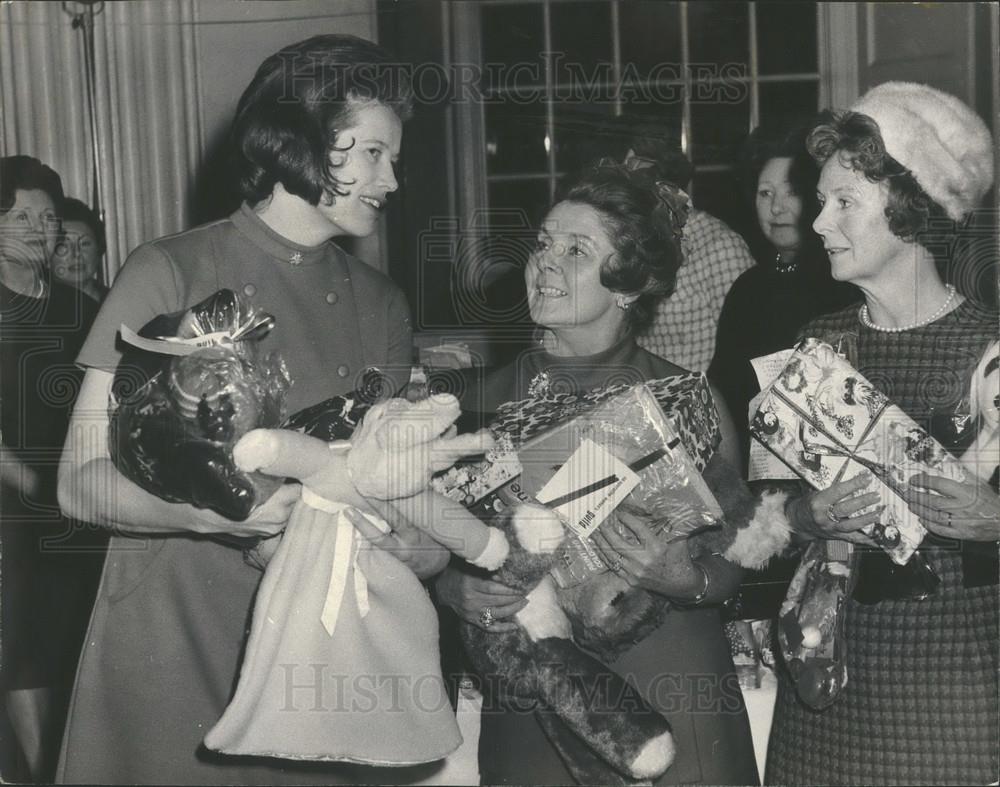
<point>857,141</point>
<point>644,229</point>
<point>74,210</point>
<point>299,100</point>
<point>27,173</point>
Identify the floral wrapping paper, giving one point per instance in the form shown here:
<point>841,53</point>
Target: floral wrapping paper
<point>828,423</point>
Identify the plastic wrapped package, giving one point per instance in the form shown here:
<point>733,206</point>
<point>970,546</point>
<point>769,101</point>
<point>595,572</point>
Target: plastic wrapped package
<point>188,386</point>
<point>811,622</point>
<point>656,437</point>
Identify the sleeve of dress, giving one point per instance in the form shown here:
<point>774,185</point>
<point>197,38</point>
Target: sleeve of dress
<point>146,287</point>
<point>727,368</point>
<point>399,333</point>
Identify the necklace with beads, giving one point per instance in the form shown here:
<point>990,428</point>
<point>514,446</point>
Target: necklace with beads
<point>866,319</point>
<point>784,268</point>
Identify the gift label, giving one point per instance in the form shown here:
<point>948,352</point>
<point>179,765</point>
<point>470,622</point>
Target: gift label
<point>588,487</point>
<point>768,367</point>
<point>763,464</point>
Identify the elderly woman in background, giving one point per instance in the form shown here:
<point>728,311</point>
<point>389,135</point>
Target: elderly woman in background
<point>77,258</point>
<point>606,253</point>
<point>790,284</point>
<point>920,705</point>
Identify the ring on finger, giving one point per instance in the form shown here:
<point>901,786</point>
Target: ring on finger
<point>832,515</point>
<point>486,617</point>
<point>616,566</point>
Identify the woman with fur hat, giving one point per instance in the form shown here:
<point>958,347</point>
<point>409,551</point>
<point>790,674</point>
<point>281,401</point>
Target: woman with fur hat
<point>900,172</point>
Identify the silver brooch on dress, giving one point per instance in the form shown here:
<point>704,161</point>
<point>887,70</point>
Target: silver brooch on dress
<point>296,258</point>
<point>539,385</point>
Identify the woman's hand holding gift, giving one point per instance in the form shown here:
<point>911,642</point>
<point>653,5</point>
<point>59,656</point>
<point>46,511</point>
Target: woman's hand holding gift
<point>837,512</point>
<point>649,560</point>
<point>968,510</point>
<point>471,596</point>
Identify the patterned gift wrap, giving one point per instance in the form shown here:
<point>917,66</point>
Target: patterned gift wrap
<point>674,416</point>
<point>685,399</point>
<point>828,423</point>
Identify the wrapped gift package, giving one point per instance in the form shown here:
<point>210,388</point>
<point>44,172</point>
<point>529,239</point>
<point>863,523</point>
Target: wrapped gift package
<point>828,423</point>
<point>642,447</point>
<point>188,386</point>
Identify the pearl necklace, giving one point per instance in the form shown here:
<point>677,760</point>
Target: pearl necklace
<point>866,319</point>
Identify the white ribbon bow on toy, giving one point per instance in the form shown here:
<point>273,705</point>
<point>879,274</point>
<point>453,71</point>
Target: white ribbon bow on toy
<point>345,555</point>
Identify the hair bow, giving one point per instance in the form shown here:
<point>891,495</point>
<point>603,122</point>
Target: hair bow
<point>678,204</point>
<point>673,198</point>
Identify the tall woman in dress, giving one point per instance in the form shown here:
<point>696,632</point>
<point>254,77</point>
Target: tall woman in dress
<point>605,254</point>
<point>920,704</point>
<point>316,133</point>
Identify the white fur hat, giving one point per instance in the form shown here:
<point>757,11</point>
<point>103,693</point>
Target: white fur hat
<point>938,138</point>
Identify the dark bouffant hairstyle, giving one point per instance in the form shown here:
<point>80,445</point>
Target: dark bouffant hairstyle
<point>27,173</point>
<point>783,140</point>
<point>857,140</point>
<point>643,228</point>
<point>300,98</point>
<point>74,210</point>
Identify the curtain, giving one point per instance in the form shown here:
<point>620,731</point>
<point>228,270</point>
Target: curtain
<point>148,118</point>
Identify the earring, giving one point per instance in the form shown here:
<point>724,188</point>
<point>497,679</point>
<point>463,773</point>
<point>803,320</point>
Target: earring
<point>621,304</point>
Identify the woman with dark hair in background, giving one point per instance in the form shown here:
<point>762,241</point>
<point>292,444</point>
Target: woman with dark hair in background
<point>920,706</point>
<point>49,573</point>
<point>317,133</point>
<point>606,253</point>
<point>790,284</point>
<point>80,249</point>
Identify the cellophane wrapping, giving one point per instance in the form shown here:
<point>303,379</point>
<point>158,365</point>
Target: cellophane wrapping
<point>674,417</point>
<point>180,401</point>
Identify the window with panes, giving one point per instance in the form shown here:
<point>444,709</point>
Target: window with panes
<point>706,73</point>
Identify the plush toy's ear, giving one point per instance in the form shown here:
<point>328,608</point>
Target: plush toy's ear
<point>456,528</point>
<point>284,453</point>
<point>400,444</point>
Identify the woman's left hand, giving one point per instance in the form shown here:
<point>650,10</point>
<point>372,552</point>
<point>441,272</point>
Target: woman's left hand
<point>968,510</point>
<point>647,560</point>
<point>424,556</point>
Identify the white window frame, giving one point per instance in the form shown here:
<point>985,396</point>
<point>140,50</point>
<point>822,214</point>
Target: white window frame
<point>836,78</point>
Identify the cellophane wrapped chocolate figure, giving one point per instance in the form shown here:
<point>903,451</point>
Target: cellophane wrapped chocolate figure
<point>189,385</point>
